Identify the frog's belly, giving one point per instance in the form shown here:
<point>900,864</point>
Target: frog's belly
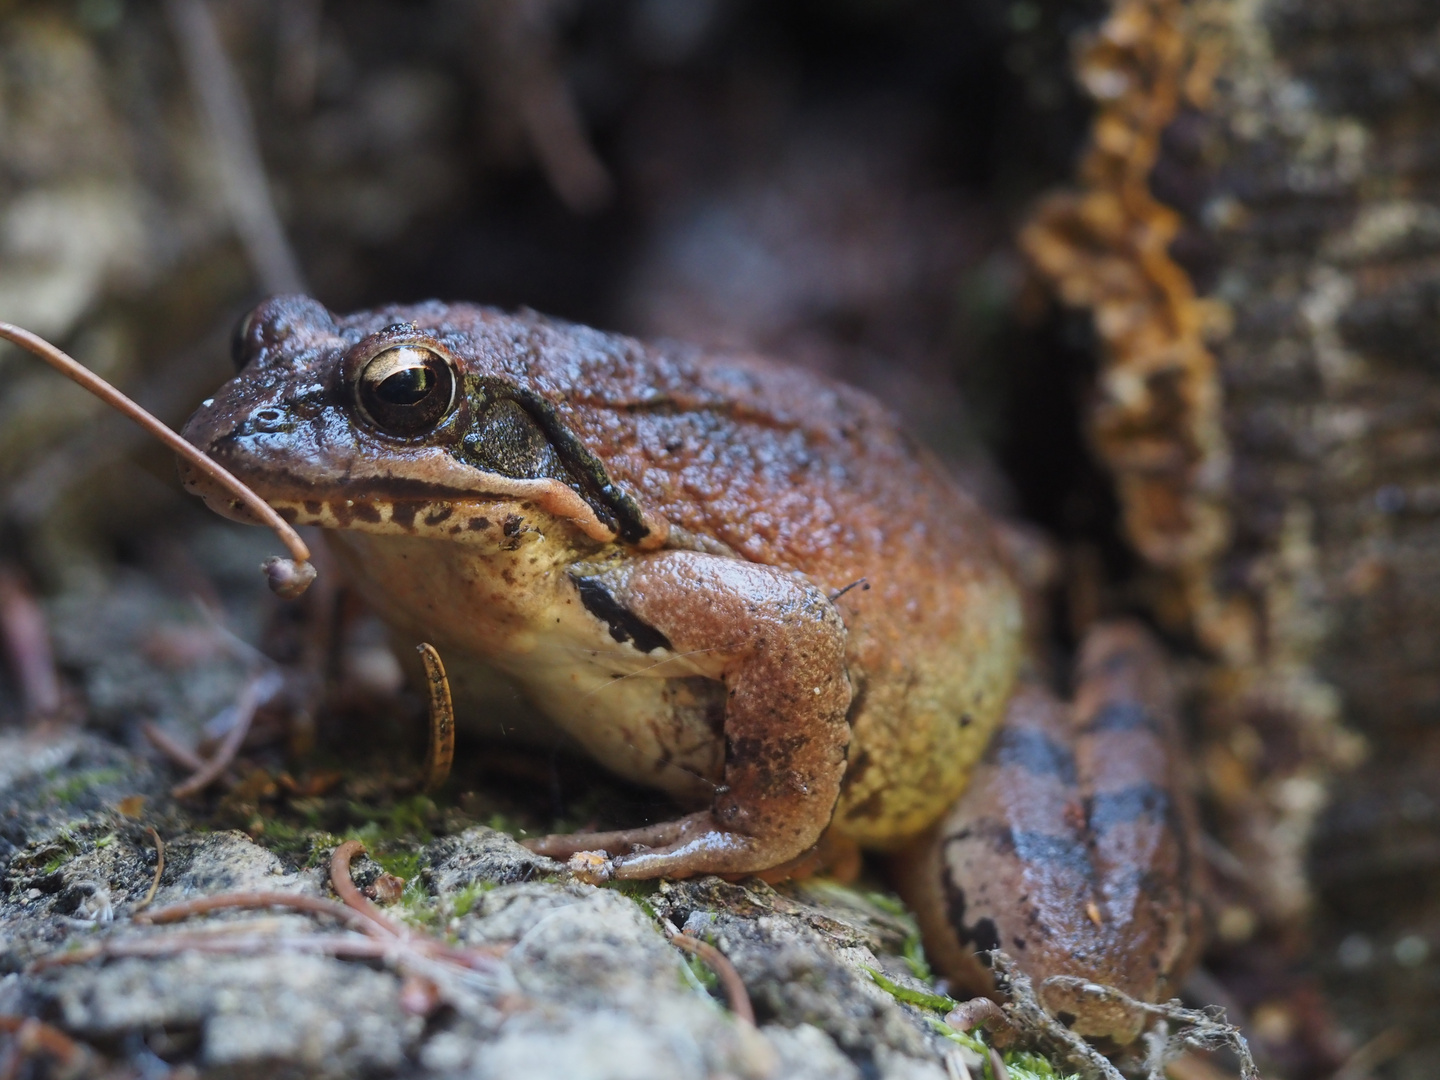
<point>652,718</point>
<point>663,732</point>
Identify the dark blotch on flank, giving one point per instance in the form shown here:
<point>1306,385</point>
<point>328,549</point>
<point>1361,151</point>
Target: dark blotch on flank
<point>857,768</point>
<point>982,937</point>
<point>869,807</point>
<point>1035,752</point>
<point>1124,716</point>
<point>435,517</point>
<point>403,514</point>
<point>479,524</point>
<point>624,624</point>
<point>366,512</point>
<point>312,507</point>
<point>1142,802</point>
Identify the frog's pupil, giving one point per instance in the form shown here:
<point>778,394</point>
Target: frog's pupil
<point>408,387</point>
<point>406,390</point>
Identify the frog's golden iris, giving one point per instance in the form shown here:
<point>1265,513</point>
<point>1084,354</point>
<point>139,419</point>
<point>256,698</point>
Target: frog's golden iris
<point>406,390</point>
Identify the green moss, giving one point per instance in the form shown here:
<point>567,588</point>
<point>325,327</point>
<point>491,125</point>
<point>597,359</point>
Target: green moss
<point>891,905</point>
<point>321,844</point>
<point>922,998</point>
<point>56,862</point>
<point>404,864</point>
<point>701,973</point>
<point>72,787</point>
<point>1021,1064</point>
<point>964,1038</point>
<point>412,817</point>
<point>1024,1065</point>
<point>638,891</point>
<point>285,839</point>
<point>465,900</point>
<point>913,953</point>
<point>418,908</point>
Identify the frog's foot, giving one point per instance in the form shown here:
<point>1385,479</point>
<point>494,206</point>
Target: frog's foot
<point>589,854</point>
<point>670,850</point>
<point>619,842</point>
<point>778,645</point>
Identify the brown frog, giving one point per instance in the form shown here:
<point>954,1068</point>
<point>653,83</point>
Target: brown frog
<point>741,584</point>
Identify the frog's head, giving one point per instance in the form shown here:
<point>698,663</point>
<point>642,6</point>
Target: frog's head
<point>405,420</point>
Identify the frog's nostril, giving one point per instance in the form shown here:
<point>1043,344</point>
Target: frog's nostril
<point>269,420</point>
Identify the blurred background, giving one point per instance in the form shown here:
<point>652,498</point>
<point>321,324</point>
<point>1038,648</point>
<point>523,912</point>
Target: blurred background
<point>840,184</point>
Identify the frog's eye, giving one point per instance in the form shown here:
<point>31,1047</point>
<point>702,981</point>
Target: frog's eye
<point>240,341</point>
<point>406,390</point>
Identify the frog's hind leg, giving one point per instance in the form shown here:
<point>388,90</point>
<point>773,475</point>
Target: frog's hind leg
<point>1072,849</point>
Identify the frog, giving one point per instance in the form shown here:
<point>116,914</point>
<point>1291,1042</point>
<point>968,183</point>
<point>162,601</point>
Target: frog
<point>744,585</point>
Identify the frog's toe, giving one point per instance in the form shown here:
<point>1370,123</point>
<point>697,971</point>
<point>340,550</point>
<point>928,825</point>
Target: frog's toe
<point>564,845</point>
<point>591,867</point>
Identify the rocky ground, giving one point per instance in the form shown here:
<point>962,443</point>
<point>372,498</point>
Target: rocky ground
<point>583,981</point>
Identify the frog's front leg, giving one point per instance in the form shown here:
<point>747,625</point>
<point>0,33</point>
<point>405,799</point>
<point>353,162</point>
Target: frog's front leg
<point>778,644</point>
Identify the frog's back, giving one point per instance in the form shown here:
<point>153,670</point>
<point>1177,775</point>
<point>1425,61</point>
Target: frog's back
<point>786,468</point>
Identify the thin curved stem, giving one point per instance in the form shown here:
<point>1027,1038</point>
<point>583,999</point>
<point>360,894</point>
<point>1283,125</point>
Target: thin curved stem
<point>349,895</point>
<point>78,373</point>
<point>441,754</point>
<point>718,962</point>
<point>251,901</point>
<point>159,869</point>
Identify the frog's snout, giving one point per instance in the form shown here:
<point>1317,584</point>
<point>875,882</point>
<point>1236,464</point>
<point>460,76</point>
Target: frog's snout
<point>207,429</point>
<point>217,498</point>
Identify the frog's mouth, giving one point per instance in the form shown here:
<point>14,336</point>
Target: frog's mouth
<point>217,498</point>
<point>336,483</point>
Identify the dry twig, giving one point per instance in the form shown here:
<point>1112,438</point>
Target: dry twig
<point>252,901</point>
<point>159,869</point>
<point>441,754</point>
<point>1027,1014</point>
<point>1373,1054</point>
<point>736,996</point>
<point>258,690</point>
<point>176,751</point>
<point>33,1036</point>
<point>350,946</point>
<point>26,640</point>
<point>524,81</point>
<point>352,897</point>
<point>300,572</point>
<point>216,84</point>
<point>1200,1029</point>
